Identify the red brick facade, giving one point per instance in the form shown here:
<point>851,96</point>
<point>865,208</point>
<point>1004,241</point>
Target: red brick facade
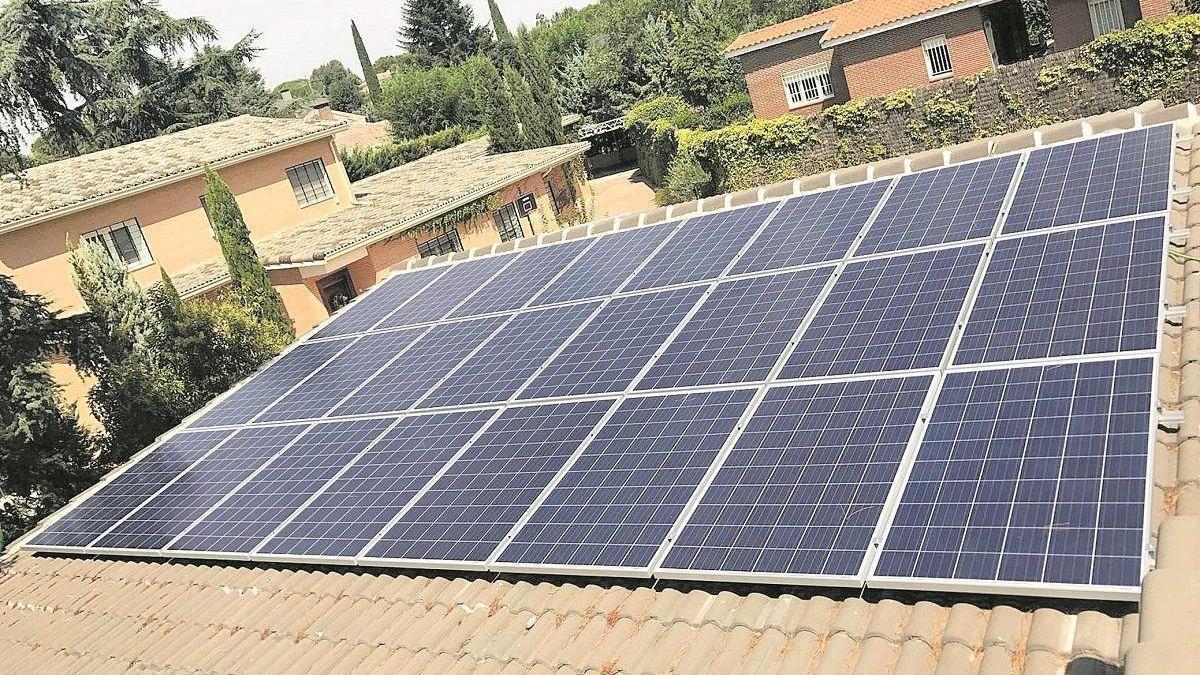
<point>1071,20</point>
<point>765,70</point>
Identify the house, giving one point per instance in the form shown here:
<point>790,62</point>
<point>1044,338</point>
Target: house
<point>359,133</point>
<point>322,238</point>
<point>867,48</point>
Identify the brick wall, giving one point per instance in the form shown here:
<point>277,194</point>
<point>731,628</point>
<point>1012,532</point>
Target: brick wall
<point>765,69</point>
<point>1071,20</point>
<point>1154,9</point>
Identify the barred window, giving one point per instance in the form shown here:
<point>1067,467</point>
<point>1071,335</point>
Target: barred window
<point>804,87</point>
<point>123,242</point>
<point>310,182</point>
<point>559,196</point>
<point>508,223</point>
<point>937,57</point>
<point>446,242</point>
<point>1106,16</point>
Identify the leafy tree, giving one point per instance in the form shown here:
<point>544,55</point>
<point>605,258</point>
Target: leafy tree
<point>396,63</point>
<point>249,284</point>
<point>334,81</point>
<point>422,102</point>
<point>45,457</point>
<point>441,32</point>
<point>703,74</point>
<point>500,117</point>
<point>364,61</point>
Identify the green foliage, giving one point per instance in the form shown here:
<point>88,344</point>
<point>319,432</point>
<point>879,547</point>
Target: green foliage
<point>506,46</point>
<point>422,102</point>
<point>733,109</point>
<point>1037,21</point>
<point>45,457</point>
<point>363,162</point>
<point>441,32</point>
<point>1154,59</point>
<point>462,214</point>
<point>686,181</point>
<point>546,122</point>
<point>496,100</point>
<point>249,284</point>
<point>364,62</point>
<point>342,87</point>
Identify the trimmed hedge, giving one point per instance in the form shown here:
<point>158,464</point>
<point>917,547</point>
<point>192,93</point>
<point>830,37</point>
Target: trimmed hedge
<point>363,162</point>
<point>1154,60</point>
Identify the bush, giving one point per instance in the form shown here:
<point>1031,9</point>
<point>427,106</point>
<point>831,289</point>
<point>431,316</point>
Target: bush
<point>363,162</point>
<point>686,181</point>
<point>423,102</point>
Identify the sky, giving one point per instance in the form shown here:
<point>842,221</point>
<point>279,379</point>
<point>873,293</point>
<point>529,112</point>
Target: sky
<point>299,35</point>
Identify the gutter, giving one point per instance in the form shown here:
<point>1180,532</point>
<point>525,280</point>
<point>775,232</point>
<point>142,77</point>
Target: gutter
<point>779,40</point>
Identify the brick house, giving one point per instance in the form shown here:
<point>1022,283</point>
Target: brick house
<point>866,48</point>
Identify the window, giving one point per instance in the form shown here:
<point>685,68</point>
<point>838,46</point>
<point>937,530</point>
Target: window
<point>559,197</point>
<point>310,183</point>
<point>808,86</point>
<point>337,290</point>
<point>1106,16</point>
<point>937,57</point>
<point>446,242</point>
<point>508,223</point>
<point>123,242</point>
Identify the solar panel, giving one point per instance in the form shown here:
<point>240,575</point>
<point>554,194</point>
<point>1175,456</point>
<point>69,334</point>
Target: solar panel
<point>340,376</point>
<point>510,358</point>
<point>157,522</point>
<point>605,266</point>
<point>703,248</point>
<point>802,490</point>
<point>1086,291</point>
<point>740,331</point>
<point>525,278</point>
<point>438,299</point>
<point>956,203</point>
<point>617,503</point>
<point>888,314</point>
<point>379,303</point>
<point>615,346</point>
<point>253,511</point>
<point>1034,475</point>
<point>253,396</point>
<point>1096,179</point>
<point>406,379</point>
<point>467,512</point>
<point>813,228</point>
<point>357,505</point>
<point>124,493</point>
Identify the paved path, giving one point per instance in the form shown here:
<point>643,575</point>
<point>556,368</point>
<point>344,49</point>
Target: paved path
<point>623,192</point>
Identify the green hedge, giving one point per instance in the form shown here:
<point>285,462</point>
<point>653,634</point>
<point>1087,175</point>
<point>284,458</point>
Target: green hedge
<point>1154,60</point>
<point>363,162</point>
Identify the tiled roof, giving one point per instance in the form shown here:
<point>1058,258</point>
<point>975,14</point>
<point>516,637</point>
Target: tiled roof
<point>845,20</point>
<point>67,183</point>
<point>60,614</point>
<point>393,201</point>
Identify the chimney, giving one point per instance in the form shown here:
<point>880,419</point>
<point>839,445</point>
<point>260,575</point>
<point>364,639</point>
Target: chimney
<point>324,112</point>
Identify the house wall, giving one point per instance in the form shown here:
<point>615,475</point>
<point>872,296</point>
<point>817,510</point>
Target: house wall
<point>765,69</point>
<point>1071,21</point>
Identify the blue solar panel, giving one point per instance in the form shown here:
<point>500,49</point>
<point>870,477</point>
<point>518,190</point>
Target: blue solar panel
<point>615,346</point>
<point>340,376</point>
<point>198,489</point>
<point>702,249</point>
<point>253,511</point>
<point>467,512</point>
<point>617,503</point>
<point>1087,291</point>
<point>802,491</point>
<point>379,303</point>
<point>246,402</point>
<point>357,505</point>
<point>507,361</point>
<point>124,493</point>
<point>452,288</point>
<point>814,228</point>
<point>1030,475</point>
<point>604,267</point>
<point>956,203</point>
<point>523,279</point>
<point>1107,177</point>
<point>406,379</point>
<point>740,331</point>
<point>889,314</point>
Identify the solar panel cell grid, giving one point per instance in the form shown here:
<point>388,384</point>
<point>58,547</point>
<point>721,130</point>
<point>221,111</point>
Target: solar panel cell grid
<point>813,228</point>
<point>740,331</point>
<point>467,512</point>
<point>617,503</point>
<point>888,314</point>
<point>956,203</point>
<point>1087,291</point>
<point>356,506</point>
<point>253,511</point>
<point>124,493</point>
<point>604,267</point>
<point>803,488</point>
<point>381,302</point>
<point>456,285</point>
<point>1032,475</point>
<point>525,278</point>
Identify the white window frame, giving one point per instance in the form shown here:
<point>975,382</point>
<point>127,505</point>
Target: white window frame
<point>1108,16</point>
<point>818,83</point>
<point>104,238</point>
<point>313,191</point>
<point>931,48</point>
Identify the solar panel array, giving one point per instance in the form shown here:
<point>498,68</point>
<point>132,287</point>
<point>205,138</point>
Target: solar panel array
<point>942,380</point>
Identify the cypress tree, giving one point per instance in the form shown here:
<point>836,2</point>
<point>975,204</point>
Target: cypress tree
<point>548,115</point>
<point>523,106</point>
<point>499,115</point>
<point>248,278</point>
<point>506,46</point>
<point>369,75</point>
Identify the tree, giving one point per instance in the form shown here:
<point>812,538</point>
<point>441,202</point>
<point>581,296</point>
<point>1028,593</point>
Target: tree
<point>339,85</point>
<point>500,118</point>
<point>702,73</point>
<point>422,102</point>
<point>546,123</point>
<point>506,46</point>
<point>45,457</point>
<point>364,61</point>
<point>248,281</point>
<point>441,32</point>
<point>531,133</point>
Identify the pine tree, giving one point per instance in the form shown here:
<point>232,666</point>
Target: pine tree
<point>547,114</point>
<point>500,117</point>
<point>441,32</point>
<point>249,283</point>
<point>369,75</point>
<point>506,47</point>
<point>45,457</point>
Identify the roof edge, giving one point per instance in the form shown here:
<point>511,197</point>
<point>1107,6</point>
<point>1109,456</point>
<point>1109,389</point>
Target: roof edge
<point>900,23</point>
<point>795,35</point>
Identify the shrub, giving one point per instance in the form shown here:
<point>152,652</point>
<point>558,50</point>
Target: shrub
<point>363,162</point>
<point>686,181</point>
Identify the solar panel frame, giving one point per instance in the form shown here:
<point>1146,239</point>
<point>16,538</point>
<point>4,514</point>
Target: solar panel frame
<point>433,309</point>
<point>545,262</point>
<point>329,327</point>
